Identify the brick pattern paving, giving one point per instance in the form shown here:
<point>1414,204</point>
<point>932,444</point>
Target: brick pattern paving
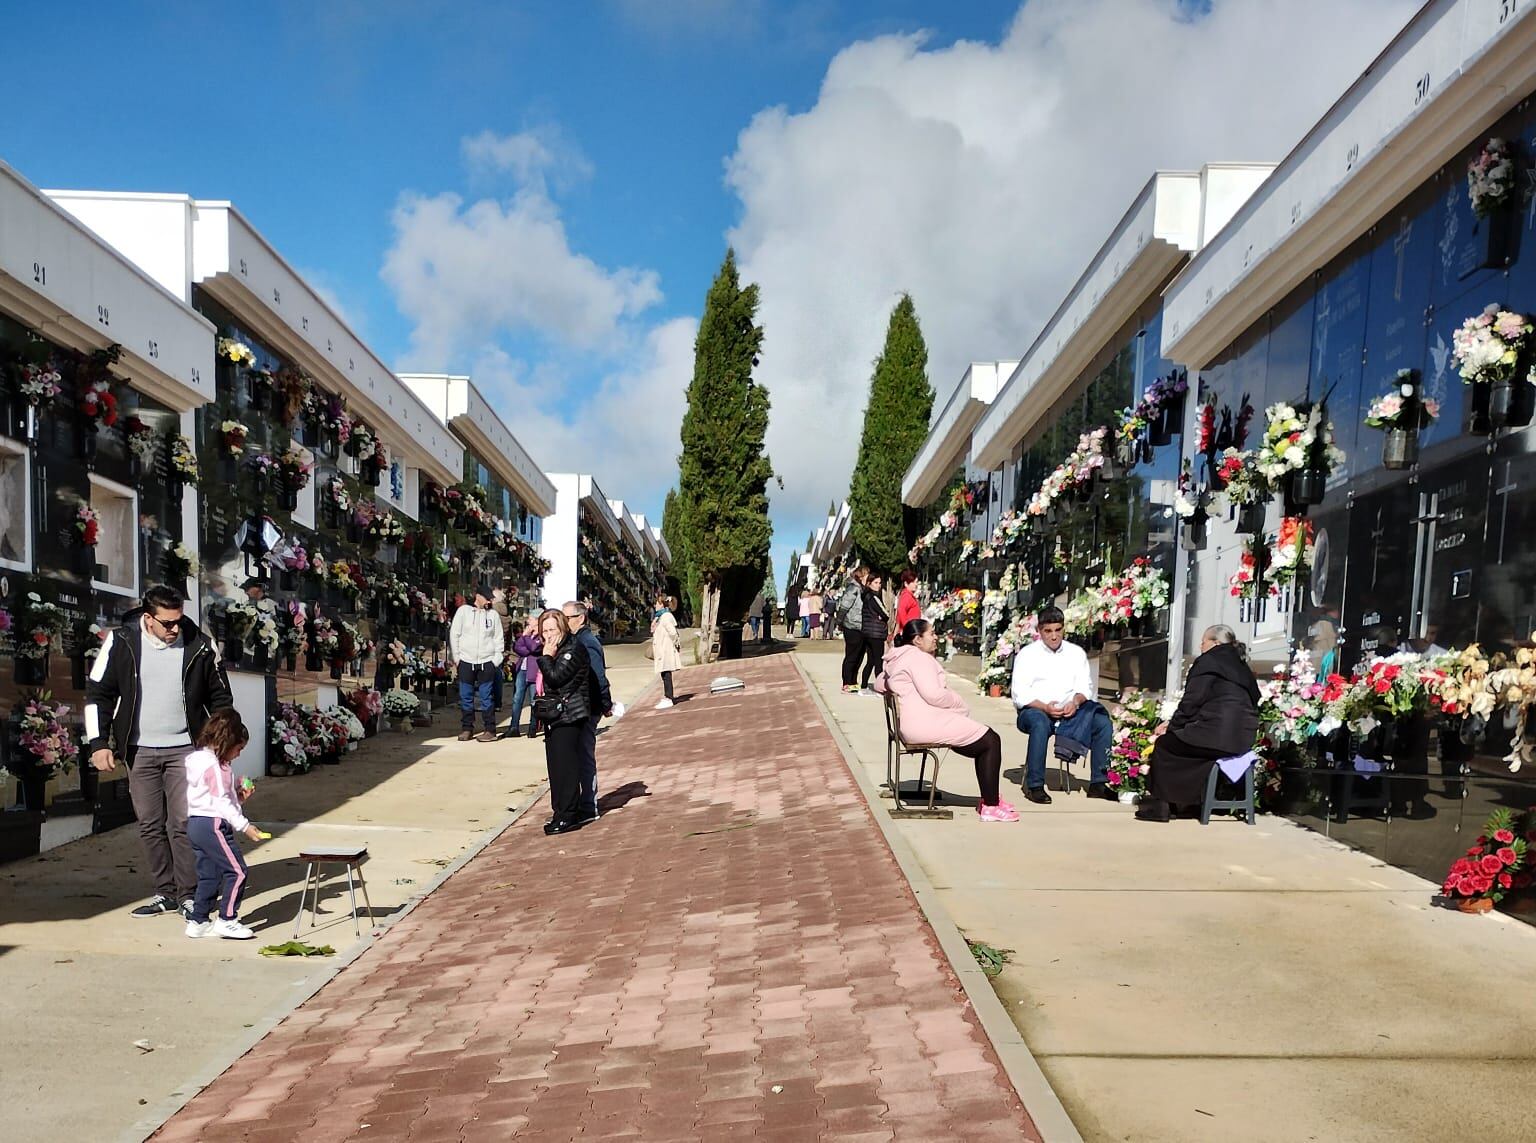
<point>734,954</point>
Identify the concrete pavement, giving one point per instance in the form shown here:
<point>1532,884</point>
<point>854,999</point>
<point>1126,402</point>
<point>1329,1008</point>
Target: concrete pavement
<point>1229,982</point>
<point>83,980</point>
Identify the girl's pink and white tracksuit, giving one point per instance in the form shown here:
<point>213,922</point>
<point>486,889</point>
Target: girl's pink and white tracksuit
<point>213,818</point>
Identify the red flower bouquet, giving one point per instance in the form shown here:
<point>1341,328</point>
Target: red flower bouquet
<point>1491,868</point>
<point>98,406</point>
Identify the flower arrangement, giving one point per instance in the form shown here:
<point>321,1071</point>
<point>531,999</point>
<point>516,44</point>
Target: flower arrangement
<point>40,384</point>
<point>319,567</point>
<point>1239,479</point>
<point>324,639</point>
<point>234,435</point>
<point>297,392</point>
<point>182,562</point>
<point>241,616</point>
<point>392,592</point>
<point>386,528</point>
<point>45,736</point>
<point>183,459</point>
<point>141,439</point>
<point>335,421</point>
<point>265,633</point>
<point>288,738</point>
<point>41,621</point>
<point>1491,178</point>
<point>1347,702</point>
<point>1129,765</point>
<point>1290,560</point>
<point>962,602</point>
<point>400,704</point>
<point>296,463</point>
<point>1244,583</point>
<point>1487,347</point>
<point>365,702</point>
<point>1205,436</point>
<point>1295,440</point>
<point>6,622</point>
<point>1189,498</point>
<point>380,454</point>
<point>1513,682</point>
<point>98,405</point>
<point>1290,704</point>
<point>1163,391</point>
<point>349,723</point>
<point>95,638</point>
<point>263,466</point>
<point>88,525</point>
<point>1458,683</point>
<point>361,441</point>
<point>1395,683</point>
<point>1396,408</point>
<point>1493,865</point>
<point>337,496</point>
<point>236,352</point>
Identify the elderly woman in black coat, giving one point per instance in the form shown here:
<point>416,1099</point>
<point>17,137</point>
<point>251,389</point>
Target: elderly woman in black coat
<point>1218,717</point>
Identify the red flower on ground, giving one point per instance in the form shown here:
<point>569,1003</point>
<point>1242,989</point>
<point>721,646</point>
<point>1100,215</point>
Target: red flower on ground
<point>1503,836</point>
<point>1505,880</point>
<point>1490,864</point>
<point>1507,855</point>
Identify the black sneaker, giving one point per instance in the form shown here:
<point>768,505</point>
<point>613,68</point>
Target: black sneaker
<point>1037,795</point>
<point>186,909</point>
<point>586,817</point>
<point>158,906</point>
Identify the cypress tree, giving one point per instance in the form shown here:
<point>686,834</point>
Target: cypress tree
<point>723,471</point>
<point>683,580</point>
<point>895,424</point>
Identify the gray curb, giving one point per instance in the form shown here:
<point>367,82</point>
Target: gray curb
<point>228,1054</point>
<point>1040,1100</point>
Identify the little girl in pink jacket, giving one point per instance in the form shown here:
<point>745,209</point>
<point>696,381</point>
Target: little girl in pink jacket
<point>933,715</point>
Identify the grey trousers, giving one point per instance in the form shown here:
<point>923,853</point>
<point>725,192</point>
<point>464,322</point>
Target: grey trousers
<point>157,784</point>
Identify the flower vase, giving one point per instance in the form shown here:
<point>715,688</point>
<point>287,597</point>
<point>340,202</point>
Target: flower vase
<point>135,468</point>
<point>1128,797</point>
<point>234,651</point>
<point>1475,904</point>
<point>1510,403</point>
<point>312,661</point>
<point>1195,533</point>
<point>336,669</point>
<point>31,671</point>
<point>1400,449</point>
<point>34,789</point>
<point>259,484</point>
<point>368,472</point>
<point>260,658</point>
<point>290,661</point>
<point>88,443</point>
<point>388,553</point>
<point>995,690</point>
<point>287,579</point>
<point>1308,486</point>
<point>1250,518</point>
<point>173,489</point>
<point>255,392</point>
<point>288,497</point>
<point>1144,449</point>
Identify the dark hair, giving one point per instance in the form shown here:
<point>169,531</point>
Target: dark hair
<point>224,734</point>
<point>909,577</point>
<point>913,629</point>
<point>1049,615</point>
<point>163,597</point>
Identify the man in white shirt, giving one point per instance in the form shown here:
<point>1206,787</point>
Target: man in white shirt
<point>1052,689</point>
<point>476,642</point>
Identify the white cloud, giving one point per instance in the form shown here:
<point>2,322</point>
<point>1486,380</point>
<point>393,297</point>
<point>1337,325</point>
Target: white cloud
<point>531,157</point>
<point>982,178</point>
<point>626,430</point>
<point>462,274</point>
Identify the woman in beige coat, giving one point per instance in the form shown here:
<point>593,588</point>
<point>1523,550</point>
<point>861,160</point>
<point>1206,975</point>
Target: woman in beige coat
<point>666,646</point>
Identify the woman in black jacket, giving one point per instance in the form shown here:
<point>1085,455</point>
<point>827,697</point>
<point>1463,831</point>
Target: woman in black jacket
<point>563,709</point>
<point>1218,717</point>
<point>875,626</point>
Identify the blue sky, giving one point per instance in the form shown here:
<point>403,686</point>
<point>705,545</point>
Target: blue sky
<point>539,193</point>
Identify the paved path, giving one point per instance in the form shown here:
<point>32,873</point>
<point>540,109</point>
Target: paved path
<point>731,952</point>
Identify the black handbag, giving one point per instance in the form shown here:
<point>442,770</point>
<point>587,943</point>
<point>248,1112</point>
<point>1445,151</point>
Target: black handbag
<point>549,709</point>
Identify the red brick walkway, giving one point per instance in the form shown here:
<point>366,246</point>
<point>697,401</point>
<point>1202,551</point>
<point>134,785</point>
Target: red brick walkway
<point>734,954</point>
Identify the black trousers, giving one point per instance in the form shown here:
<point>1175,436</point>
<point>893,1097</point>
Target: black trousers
<point>1180,770</point>
<point>666,684</point>
<point>874,652</point>
<point>564,749</point>
<point>853,651</point>
<point>987,751</point>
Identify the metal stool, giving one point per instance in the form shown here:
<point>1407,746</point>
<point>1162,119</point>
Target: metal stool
<point>351,856</point>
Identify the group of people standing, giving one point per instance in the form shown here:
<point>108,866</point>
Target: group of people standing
<point>558,662</point>
<point>1053,695</point>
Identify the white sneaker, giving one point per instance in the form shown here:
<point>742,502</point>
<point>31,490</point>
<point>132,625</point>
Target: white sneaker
<point>197,929</point>
<point>664,704</point>
<point>231,930</point>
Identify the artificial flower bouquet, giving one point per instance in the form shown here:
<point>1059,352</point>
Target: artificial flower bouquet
<point>143,444</point>
<point>400,704</point>
<point>40,384</point>
<point>98,405</point>
<point>296,464</point>
<point>1494,864</point>
<point>1491,178</point>
<point>88,525</point>
<point>44,735</point>
<point>40,622</point>
<point>234,435</point>
<point>1487,347</point>
<point>184,459</point>
<point>1399,409</point>
<point>236,352</point>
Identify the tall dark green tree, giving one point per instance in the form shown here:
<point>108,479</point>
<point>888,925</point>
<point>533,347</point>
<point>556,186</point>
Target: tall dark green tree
<point>895,423</point>
<point>723,471</point>
<point>683,575</point>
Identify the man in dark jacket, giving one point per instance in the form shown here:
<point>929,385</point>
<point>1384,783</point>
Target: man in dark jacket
<point>155,681</point>
<point>599,703</point>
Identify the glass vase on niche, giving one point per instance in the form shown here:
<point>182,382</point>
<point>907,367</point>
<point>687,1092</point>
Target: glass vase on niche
<point>1399,449</point>
<point>1308,486</point>
<point>234,651</point>
<point>336,669</point>
<point>1194,533</point>
<point>1250,518</point>
<point>312,661</point>
<point>287,496</point>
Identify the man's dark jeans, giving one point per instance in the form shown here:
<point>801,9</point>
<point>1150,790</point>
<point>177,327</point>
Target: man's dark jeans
<point>1093,720</point>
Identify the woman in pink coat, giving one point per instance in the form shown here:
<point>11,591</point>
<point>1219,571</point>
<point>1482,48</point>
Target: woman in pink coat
<point>934,715</point>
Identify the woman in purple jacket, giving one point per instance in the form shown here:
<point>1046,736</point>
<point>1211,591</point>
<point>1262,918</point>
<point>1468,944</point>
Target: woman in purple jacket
<point>527,647</point>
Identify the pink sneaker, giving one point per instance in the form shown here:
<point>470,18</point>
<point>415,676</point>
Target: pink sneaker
<point>1002,812</point>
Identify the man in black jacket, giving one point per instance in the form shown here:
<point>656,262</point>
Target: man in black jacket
<point>155,681</point>
<point>599,703</point>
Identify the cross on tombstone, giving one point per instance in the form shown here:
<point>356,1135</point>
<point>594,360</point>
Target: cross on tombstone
<point>1529,174</point>
<point>1502,492</point>
<point>1400,249</point>
<point>1378,533</point>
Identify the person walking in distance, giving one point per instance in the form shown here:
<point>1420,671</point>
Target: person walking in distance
<point>155,682</point>
<point>666,647</point>
<point>563,710</point>
<point>475,641</point>
<point>599,702</point>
